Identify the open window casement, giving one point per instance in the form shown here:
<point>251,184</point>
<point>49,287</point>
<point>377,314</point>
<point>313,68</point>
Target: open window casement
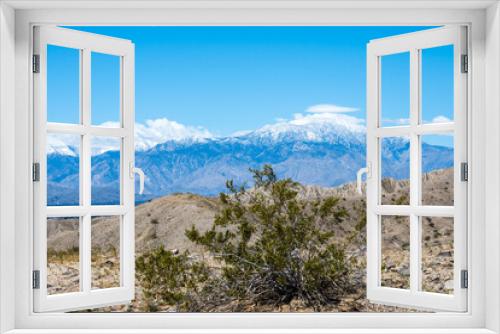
<point>411,217</point>
<point>75,140</point>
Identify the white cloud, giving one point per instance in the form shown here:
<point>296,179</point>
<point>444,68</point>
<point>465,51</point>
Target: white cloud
<point>441,119</point>
<point>147,135</point>
<point>352,123</point>
<point>398,121</point>
<point>160,130</point>
<point>329,108</point>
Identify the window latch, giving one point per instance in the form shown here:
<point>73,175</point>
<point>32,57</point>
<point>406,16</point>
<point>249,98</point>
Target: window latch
<point>365,170</point>
<point>138,171</point>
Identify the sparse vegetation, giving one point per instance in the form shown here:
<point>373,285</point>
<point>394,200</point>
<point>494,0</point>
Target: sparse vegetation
<point>269,245</point>
<point>169,279</point>
<point>177,274</point>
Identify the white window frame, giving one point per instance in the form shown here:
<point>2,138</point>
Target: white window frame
<point>86,44</point>
<point>16,21</point>
<point>413,44</point>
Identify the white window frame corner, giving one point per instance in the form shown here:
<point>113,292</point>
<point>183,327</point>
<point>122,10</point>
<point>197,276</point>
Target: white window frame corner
<point>16,21</point>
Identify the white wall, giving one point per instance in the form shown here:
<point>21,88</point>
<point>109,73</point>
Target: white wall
<point>6,166</point>
<point>492,189</point>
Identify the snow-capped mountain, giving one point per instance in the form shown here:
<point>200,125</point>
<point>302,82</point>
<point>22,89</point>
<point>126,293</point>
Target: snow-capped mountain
<point>329,128</point>
<point>319,149</point>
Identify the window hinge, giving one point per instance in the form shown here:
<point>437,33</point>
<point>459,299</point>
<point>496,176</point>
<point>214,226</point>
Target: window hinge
<point>464,171</point>
<point>464,279</point>
<point>36,279</point>
<point>36,63</point>
<point>36,172</point>
<point>465,63</point>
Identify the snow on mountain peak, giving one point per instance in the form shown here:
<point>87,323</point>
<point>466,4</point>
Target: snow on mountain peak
<point>62,144</point>
<point>316,127</point>
<point>161,130</point>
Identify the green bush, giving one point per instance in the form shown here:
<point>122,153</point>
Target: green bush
<point>268,246</point>
<point>168,279</point>
<point>274,246</point>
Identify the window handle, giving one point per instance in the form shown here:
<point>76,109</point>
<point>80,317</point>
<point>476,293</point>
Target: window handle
<point>138,171</point>
<point>359,176</point>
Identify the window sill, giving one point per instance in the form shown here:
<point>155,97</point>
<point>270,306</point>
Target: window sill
<point>253,331</point>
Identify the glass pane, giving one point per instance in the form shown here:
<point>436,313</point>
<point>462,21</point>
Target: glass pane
<point>63,255</point>
<point>395,257</point>
<point>105,170</point>
<point>437,169</point>
<point>105,252</point>
<point>105,90</point>
<point>437,254</point>
<point>437,84</point>
<point>63,169</point>
<point>395,89</point>
<point>63,84</point>
<point>395,171</point>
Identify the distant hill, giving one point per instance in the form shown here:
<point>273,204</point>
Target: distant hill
<point>163,221</point>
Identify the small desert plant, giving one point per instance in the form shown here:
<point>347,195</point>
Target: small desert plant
<point>169,279</point>
<point>69,255</point>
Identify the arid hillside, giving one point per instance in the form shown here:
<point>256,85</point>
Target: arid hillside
<point>163,222</point>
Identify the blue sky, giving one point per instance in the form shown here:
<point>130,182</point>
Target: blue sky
<point>228,79</point>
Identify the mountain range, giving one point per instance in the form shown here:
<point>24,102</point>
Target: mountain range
<point>325,150</point>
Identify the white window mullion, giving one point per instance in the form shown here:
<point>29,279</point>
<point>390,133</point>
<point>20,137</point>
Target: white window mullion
<point>460,143</point>
<point>373,160</point>
<point>127,235</point>
<point>40,188</point>
<point>415,232</point>
<point>85,176</point>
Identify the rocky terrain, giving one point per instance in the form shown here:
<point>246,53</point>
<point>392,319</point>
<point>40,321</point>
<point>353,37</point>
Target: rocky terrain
<point>164,220</point>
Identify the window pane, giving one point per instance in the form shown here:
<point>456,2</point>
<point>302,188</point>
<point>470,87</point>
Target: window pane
<point>395,89</point>
<point>105,252</point>
<point>395,169</point>
<point>437,84</point>
<point>63,255</point>
<point>63,84</point>
<point>395,257</point>
<point>105,90</point>
<point>63,169</point>
<point>437,169</point>
<point>106,170</point>
<point>437,254</point>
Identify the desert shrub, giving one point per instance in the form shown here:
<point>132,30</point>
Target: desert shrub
<point>274,246</point>
<point>169,279</point>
